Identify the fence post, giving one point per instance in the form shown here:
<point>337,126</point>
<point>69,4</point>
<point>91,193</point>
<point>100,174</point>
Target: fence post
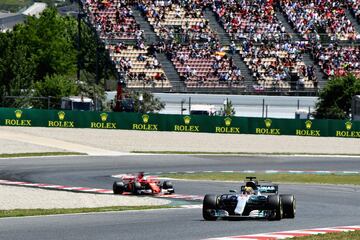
<point>267,108</point>
<point>189,105</point>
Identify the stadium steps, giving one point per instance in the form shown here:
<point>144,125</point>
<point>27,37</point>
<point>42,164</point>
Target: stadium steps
<point>280,16</point>
<point>225,40</point>
<point>245,71</point>
<point>353,20</point>
<point>171,73</point>
<point>217,28</point>
<point>150,36</point>
<point>308,60</point>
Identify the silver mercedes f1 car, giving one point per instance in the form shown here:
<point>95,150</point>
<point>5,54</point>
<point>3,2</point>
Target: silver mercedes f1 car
<point>256,199</point>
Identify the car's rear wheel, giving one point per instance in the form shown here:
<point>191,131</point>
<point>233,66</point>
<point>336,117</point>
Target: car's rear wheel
<point>275,204</point>
<point>289,205</point>
<point>209,204</point>
<point>118,187</point>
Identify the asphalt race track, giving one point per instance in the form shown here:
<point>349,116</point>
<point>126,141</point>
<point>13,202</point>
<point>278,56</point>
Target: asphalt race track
<point>317,205</point>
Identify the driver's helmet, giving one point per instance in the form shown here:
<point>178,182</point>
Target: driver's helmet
<point>248,190</point>
<point>140,175</point>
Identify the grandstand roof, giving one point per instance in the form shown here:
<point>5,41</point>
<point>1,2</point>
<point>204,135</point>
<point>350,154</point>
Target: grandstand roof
<point>35,9</point>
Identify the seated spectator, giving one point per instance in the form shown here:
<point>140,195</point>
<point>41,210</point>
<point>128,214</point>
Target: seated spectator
<point>320,17</point>
<point>250,19</point>
<point>338,61</point>
<point>272,64</point>
<point>112,20</point>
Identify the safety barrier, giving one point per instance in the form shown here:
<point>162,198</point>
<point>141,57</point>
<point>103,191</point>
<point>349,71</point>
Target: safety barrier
<point>178,123</point>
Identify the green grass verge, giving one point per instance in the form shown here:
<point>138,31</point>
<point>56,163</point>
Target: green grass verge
<point>38,154</point>
<point>237,153</point>
<point>289,178</point>
<point>39,212</point>
<point>333,236</point>
<point>14,5</point>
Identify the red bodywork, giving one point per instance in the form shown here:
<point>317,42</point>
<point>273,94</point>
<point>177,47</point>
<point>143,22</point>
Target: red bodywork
<point>150,181</point>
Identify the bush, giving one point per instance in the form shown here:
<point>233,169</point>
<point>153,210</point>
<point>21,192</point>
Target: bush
<point>335,99</point>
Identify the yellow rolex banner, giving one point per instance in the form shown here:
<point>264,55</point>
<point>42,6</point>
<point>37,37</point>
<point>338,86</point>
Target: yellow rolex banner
<point>178,123</point>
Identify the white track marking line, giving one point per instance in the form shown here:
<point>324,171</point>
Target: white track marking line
<point>290,233</point>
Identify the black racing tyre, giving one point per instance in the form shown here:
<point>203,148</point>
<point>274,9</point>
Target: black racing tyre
<point>289,205</point>
<point>136,187</point>
<point>118,187</point>
<point>275,204</point>
<point>168,185</point>
<point>209,203</point>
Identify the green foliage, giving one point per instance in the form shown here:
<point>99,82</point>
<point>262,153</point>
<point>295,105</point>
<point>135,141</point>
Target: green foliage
<point>49,39</point>
<point>88,55</point>
<point>46,47</point>
<point>332,236</point>
<point>148,104</point>
<point>56,86</point>
<point>16,66</point>
<point>229,110</point>
<point>14,5</point>
<point>335,99</point>
<point>40,47</point>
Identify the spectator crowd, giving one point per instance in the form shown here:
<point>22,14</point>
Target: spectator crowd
<point>253,20</point>
<point>271,54</point>
<point>311,18</point>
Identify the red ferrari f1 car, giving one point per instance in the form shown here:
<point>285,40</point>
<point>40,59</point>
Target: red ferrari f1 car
<point>140,184</point>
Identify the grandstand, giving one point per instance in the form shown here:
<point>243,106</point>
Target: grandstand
<point>246,46</point>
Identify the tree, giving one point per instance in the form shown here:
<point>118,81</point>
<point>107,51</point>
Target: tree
<point>56,87</point>
<point>335,98</point>
<point>146,102</point>
<point>50,40</point>
<point>16,66</point>
<point>92,48</point>
<point>46,47</point>
<point>229,110</point>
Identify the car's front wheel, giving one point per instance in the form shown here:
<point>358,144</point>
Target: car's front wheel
<point>209,204</point>
<point>275,204</point>
<point>167,185</point>
<point>136,188</point>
